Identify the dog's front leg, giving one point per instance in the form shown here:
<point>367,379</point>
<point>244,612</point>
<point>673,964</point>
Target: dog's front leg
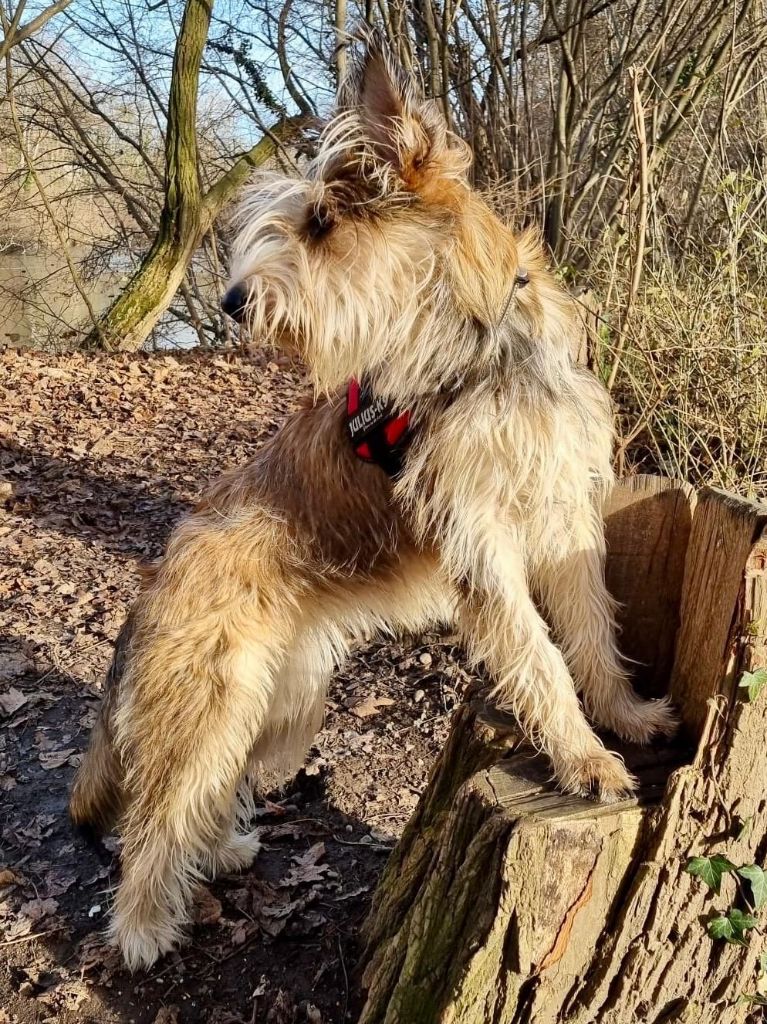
<point>504,630</point>
<point>581,612</point>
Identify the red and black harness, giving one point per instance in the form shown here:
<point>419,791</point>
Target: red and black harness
<point>377,432</point>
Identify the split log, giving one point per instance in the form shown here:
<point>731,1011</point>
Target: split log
<point>508,903</point>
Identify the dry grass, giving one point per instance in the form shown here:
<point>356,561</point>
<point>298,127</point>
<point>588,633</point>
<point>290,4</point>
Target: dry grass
<point>691,384</point>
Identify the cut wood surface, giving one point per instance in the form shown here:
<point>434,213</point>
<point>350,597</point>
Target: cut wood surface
<point>509,903</point>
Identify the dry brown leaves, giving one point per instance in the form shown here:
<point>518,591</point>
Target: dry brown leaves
<point>99,456</point>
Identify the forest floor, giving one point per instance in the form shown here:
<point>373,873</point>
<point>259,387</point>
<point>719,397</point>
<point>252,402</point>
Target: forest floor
<point>99,456</point>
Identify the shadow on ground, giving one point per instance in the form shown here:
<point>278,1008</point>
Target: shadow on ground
<point>121,508</point>
<point>278,938</point>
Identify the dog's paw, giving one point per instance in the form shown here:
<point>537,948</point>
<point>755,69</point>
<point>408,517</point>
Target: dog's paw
<point>141,951</point>
<point>601,776</point>
<point>142,945</point>
<point>238,852</point>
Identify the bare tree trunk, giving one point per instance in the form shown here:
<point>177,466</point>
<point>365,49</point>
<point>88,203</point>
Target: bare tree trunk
<point>127,323</point>
<point>508,903</point>
<point>187,214</point>
<point>340,22</point>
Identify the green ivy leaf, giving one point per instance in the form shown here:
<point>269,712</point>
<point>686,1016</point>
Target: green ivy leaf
<point>731,927</point>
<point>710,870</point>
<point>721,928</point>
<point>754,683</point>
<point>753,1000</point>
<point>758,882</point>
<point>740,921</point>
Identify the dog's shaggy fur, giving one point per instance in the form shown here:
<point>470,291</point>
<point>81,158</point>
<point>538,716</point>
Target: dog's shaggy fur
<point>380,263</point>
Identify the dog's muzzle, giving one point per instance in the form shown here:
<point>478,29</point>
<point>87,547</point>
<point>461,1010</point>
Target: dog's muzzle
<point>235,302</point>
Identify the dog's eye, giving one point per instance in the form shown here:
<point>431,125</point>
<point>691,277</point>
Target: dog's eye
<point>320,222</point>
<point>419,161</point>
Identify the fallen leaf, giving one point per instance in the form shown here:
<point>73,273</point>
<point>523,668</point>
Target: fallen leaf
<point>241,931</point>
<point>14,663</point>
<point>98,957</point>
<point>40,827</point>
<point>206,909</point>
<point>21,926</point>
<point>370,705</point>
<point>56,758</point>
<point>58,882</point>
<point>37,909</point>
<point>12,700</point>
<point>288,830</point>
<point>306,870</point>
<point>282,1010</point>
<point>167,1015</point>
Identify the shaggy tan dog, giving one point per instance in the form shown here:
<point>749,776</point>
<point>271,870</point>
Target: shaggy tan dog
<point>382,264</point>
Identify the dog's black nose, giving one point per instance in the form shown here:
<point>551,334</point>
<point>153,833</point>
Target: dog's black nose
<point>235,301</point>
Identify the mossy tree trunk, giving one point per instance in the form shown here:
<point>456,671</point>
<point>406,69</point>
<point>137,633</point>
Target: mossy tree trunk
<point>187,213</point>
<point>508,903</point>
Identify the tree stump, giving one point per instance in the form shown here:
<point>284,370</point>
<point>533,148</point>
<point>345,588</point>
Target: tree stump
<point>508,903</point>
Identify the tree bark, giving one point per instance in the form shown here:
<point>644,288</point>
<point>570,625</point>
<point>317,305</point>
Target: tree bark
<point>509,903</point>
<point>187,214</point>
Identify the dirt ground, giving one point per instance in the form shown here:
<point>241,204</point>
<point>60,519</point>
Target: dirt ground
<point>99,456</point>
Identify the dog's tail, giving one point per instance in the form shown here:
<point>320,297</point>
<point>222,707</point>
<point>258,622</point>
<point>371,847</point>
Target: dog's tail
<point>97,796</point>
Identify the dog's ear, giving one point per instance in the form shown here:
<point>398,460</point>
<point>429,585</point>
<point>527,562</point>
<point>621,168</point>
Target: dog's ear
<point>398,123</point>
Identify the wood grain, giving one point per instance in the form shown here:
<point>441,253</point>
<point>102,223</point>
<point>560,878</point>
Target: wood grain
<point>508,902</point>
<point>724,534</point>
<point>648,520</point>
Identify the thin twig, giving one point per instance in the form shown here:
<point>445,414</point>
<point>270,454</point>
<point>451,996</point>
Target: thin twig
<point>636,276</point>
<point>29,938</point>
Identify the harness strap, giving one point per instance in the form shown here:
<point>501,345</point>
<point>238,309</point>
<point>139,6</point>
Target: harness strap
<point>377,433</point>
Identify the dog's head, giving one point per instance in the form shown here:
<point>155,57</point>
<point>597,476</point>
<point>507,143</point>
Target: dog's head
<point>380,261</point>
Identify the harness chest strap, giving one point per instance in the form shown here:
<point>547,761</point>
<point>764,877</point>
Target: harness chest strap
<point>377,432</point>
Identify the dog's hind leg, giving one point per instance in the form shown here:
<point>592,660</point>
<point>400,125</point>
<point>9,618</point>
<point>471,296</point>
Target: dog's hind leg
<point>238,844</point>
<point>411,596</point>
<point>296,713</point>
<point>582,615</point>
<point>210,633</point>
<point>293,719</point>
